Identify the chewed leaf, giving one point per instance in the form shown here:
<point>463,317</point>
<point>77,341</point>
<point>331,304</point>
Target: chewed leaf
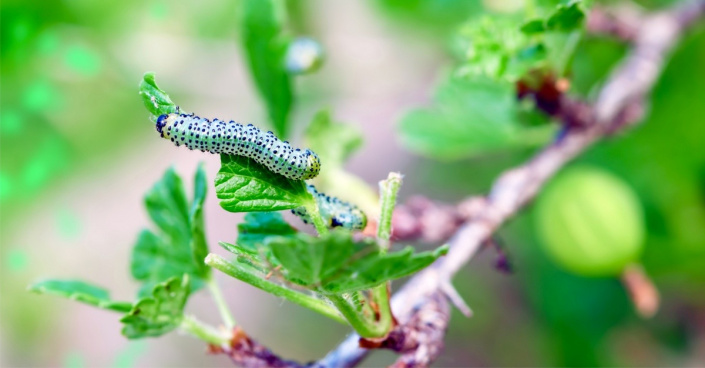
<point>154,98</point>
<point>159,313</point>
<point>243,185</point>
<point>80,291</point>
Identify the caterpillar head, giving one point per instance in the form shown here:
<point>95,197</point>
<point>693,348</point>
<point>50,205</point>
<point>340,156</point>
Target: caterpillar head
<point>161,123</point>
<point>313,165</point>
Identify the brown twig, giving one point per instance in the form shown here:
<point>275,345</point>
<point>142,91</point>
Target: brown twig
<point>246,352</point>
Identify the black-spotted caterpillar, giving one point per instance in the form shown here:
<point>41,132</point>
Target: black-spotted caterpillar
<point>218,136</point>
<point>334,211</point>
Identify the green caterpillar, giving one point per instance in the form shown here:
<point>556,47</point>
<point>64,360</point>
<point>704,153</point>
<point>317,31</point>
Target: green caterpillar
<point>231,138</point>
<point>334,211</point>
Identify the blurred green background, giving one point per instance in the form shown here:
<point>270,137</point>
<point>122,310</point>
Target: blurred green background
<point>77,153</point>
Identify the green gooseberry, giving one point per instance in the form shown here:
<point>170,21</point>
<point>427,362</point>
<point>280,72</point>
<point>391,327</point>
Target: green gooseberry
<point>590,222</point>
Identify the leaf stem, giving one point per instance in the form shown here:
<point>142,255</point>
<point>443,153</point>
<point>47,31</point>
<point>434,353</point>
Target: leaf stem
<point>225,314</point>
<point>312,209</point>
<point>365,327</point>
<point>388,190</point>
<point>202,331</point>
<point>304,300</point>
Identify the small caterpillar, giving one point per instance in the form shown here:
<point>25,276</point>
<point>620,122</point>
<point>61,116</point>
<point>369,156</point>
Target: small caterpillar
<point>334,211</point>
<point>218,136</point>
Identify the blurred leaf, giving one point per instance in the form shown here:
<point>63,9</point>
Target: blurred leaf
<point>566,17</point>
<point>159,313</point>
<point>265,47</point>
<point>155,99</point>
<point>243,185</point>
<point>334,263</point>
<point>435,15</point>
<point>533,26</point>
<point>488,45</point>
<point>494,46</point>
<point>180,246</point>
<point>260,226</point>
<point>80,291</point>
<point>469,117</point>
<point>333,142</point>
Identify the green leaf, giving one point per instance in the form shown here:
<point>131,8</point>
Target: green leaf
<point>336,264</point>
<point>469,117</point>
<point>566,17</point>
<point>179,246</point>
<point>80,291</point>
<point>260,226</point>
<point>159,313</point>
<point>533,27</point>
<point>378,268</point>
<point>265,48</point>
<point>333,142</point>
<point>155,99</point>
<point>309,261</point>
<point>243,185</point>
<point>493,46</point>
<point>486,45</point>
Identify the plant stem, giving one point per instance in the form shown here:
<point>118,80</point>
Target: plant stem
<point>220,303</point>
<point>202,331</point>
<point>317,305</point>
<point>312,209</point>
<point>388,190</point>
<point>363,326</point>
